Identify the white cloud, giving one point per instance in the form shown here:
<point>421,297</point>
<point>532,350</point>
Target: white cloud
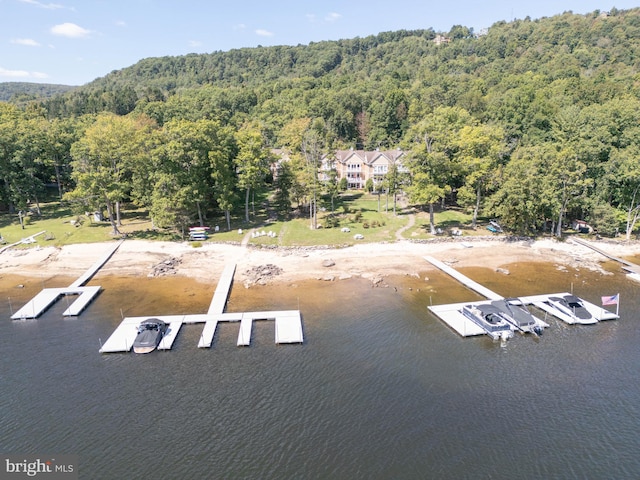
<point>311,17</point>
<point>13,73</point>
<point>332,17</point>
<point>195,43</point>
<point>121,23</point>
<point>239,26</point>
<point>4,73</point>
<point>25,41</point>
<point>70,30</point>
<point>48,6</point>
<point>264,33</point>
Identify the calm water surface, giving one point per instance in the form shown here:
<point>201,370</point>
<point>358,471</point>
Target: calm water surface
<point>380,389</point>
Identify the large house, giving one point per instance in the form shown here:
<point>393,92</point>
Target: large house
<point>358,166</point>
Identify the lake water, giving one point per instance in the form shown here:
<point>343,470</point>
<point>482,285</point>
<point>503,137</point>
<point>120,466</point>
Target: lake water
<point>380,388</point>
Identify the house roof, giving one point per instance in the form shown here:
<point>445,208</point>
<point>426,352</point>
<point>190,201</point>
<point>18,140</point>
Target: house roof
<point>367,157</point>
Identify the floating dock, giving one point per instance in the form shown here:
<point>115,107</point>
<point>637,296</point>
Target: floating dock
<point>288,326</point>
<point>288,323</point>
<point>48,296</point>
<point>451,314</point>
<point>542,302</point>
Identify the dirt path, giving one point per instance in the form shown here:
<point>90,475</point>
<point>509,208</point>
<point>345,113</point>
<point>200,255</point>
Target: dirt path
<point>411,223</point>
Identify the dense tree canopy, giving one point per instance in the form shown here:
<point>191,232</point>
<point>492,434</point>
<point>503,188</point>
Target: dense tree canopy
<point>534,121</point>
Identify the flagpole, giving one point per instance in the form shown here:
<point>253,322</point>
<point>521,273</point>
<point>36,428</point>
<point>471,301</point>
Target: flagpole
<point>618,306</point>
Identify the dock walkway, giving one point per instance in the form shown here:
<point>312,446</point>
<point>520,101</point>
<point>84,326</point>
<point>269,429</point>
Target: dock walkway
<point>466,281</point>
<point>288,323</point>
<point>48,296</point>
<point>221,293</point>
<point>91,271</point>
<point>629,266</point>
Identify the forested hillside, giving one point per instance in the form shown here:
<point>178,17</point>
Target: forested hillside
<point>21,92</point>
<point>356,84</point>
<point>533,121</point>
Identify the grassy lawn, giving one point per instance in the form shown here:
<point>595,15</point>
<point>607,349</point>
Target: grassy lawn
<point>357,212</point>
<point>60,225</point>
<point>361,213</point>
<point>447,221</point>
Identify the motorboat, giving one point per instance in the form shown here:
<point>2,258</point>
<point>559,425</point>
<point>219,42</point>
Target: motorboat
<point>150,333</point>
<point>494,227</point>
<point>573,307</point>
<point>491,319</point>
<point>517,313</point>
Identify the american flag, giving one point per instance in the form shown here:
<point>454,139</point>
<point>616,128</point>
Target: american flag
<point>612,300</point>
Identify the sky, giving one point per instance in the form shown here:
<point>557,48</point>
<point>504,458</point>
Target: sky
<point>73,42</point>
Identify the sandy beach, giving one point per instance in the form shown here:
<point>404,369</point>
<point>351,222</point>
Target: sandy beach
<point>140,258</point>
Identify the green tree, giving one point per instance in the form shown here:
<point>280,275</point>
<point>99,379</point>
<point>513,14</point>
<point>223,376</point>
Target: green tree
<point>221,157</point>
<point>392,183</point>
<point>481,149</point>
<point>102,160</point>
<point>567,172</point>
<point>430,160</point>
<point>11,124</point>
<point>313,147</point>
<point>252,162</point>
<point>284,182</point>
<point>331,186</point>
<point>622,178</point>
<point>520,202</point>
<point>188,145</point>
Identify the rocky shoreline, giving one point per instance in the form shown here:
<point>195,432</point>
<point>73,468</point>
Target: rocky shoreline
<point>257,266</point>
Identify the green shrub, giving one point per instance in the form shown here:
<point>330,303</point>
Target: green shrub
<point>331,221</point>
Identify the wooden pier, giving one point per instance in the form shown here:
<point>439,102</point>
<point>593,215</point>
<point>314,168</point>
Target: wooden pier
<point>48,296</point>
<point>288,323</point>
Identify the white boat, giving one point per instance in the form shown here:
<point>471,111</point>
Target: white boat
<point>518,315</point>
<point>573,307</point>
<point>491,319</point>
